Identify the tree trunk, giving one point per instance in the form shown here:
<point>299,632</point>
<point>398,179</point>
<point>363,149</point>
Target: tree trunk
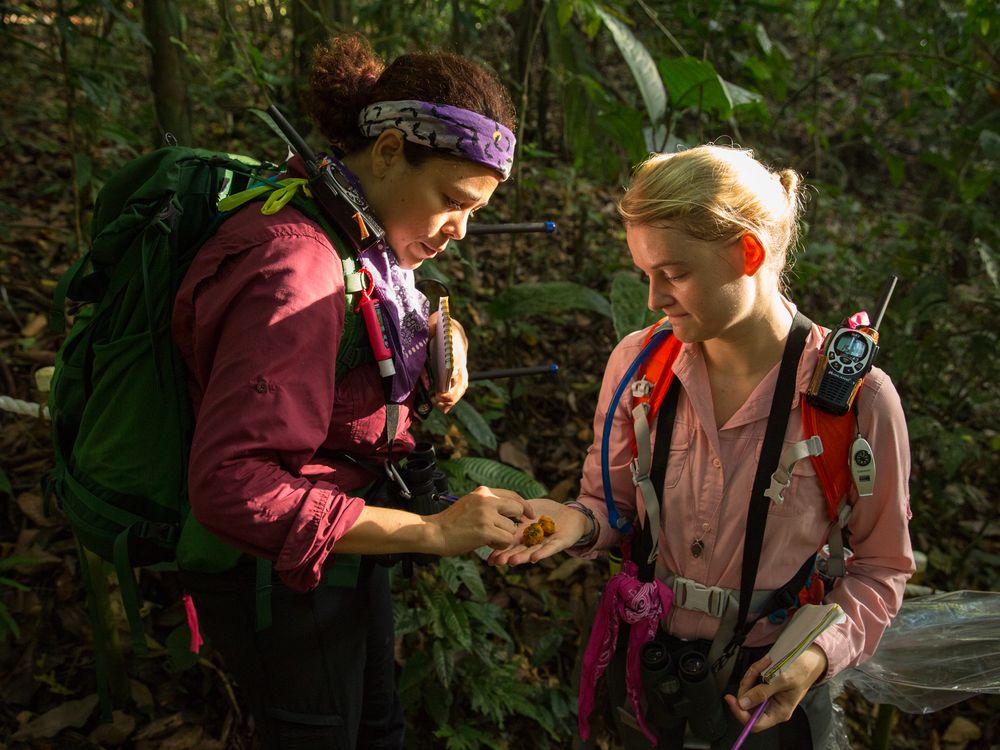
<point>161,21</point>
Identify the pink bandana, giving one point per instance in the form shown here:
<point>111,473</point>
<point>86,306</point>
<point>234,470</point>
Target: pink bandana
<point>642,606</point>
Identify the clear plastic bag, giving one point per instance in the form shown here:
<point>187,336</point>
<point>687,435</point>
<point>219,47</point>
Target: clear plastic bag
<point>940,649</point>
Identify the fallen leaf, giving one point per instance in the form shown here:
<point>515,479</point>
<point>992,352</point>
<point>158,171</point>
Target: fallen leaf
<point>160,727</point>
<point>961,730</point>
<point>31,505</point>
<point>561,491</point>
<point>185,739</point>
<point>35,325</point>
<point>567,568</point>
<point>115,732</point>
<point>515,456</point>
<point>51,723</point>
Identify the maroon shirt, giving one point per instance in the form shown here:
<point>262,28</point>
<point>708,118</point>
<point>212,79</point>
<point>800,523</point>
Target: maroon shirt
<point>258,320</point>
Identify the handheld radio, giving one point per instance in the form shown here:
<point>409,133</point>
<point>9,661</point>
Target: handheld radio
<point>848,355</point>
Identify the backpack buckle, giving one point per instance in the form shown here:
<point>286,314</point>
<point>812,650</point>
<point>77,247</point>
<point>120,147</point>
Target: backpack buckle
<point>691,595</point>
<point>164,534</point>
<point>641,388</point>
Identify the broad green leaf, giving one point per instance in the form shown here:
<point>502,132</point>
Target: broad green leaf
<point>490,616</point>
<point>461,570</point>
<point>442,664</point>
<point>739,95</point>
<point>628,305</point>
<point>474,424</point>
<point>492,473</point>
<point>694,83</point>
<point>456,622</point>
<point>525,300</point>
<point>641,63</point>
<point>178,645</point>
<point>416,671</point>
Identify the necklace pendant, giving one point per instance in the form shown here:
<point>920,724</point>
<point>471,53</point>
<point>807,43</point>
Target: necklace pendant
<point>696,547</point>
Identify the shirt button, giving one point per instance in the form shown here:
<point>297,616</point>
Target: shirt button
<point>261,386</point>
<point>705,527</point>
<point>716,463</point>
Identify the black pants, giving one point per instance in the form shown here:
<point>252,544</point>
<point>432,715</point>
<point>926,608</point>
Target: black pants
<point>322,677</point>
<point>807,729</point>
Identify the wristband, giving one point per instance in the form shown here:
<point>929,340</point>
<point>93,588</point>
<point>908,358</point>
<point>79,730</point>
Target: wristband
<point>587,539</point>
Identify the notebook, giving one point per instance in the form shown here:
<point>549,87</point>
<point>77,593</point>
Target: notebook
<point>805,626</point>
<point>444,367</point>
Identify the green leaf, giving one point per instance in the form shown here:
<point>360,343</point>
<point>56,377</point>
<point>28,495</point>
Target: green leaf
<point>6,488</point>
<point>988,257</point>
<point>442,663</point>
<point>490,473</point>
<point>416,671</point>
<point>545,297</point>
<point>456,622</point>
<point>11,583</point>
<point>437,701</point>
<point>490,616</point>
<point>474,424</point>
<point>461,570</point>
<point>694,83</point>
<point>628,304</point>
<point>178,645</point>
<point>641,63</point>
<point>84,170</point>
<point>7,623</point>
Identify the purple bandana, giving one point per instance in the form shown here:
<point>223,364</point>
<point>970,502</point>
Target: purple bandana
<point>441,126</point>
<point>642,606</point>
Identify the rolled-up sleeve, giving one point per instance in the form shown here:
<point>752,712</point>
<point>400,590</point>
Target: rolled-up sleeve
<point>882,561</point>
<point>262,331</point>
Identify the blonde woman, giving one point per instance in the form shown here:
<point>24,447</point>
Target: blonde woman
<point>712,228</point>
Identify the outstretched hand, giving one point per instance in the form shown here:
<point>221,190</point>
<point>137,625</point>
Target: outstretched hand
<point>483,517</point>
<point>785,692</point>
<point>571,525</point>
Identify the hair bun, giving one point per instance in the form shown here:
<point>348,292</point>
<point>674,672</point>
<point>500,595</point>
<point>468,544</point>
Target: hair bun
<point>790,181</point>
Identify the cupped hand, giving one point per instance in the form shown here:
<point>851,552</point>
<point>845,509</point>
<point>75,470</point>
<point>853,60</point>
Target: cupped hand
<point>483,517</point>
<point>570,526</point>
<point>785,692</point>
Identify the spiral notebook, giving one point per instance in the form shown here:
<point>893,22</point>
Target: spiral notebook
<point>445,365</point>
<point>805,626</point>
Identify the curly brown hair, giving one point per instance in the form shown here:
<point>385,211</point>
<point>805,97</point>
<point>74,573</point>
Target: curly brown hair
<point>347,76</point>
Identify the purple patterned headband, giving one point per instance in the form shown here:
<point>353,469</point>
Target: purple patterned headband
<point>441,126</point>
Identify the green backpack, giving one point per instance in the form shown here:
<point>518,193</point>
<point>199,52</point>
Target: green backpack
<point>121,416</point>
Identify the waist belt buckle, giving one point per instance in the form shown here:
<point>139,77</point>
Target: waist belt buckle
<point>696,596</point>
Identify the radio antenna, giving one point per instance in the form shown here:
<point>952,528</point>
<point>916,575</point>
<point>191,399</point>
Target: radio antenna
<point>883,301</point>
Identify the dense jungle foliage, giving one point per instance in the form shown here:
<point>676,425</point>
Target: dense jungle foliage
<point>889,108</point>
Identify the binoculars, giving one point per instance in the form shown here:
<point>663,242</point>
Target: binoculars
<point>425,483</point>
<point>679,687</point>
<point>419,486</point>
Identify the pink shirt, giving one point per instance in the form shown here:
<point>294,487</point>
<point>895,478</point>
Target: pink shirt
<point>708,482</point>
<point>258,320</point>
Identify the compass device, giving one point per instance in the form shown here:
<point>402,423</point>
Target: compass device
<point>848,355</point>
<point>335,194</point>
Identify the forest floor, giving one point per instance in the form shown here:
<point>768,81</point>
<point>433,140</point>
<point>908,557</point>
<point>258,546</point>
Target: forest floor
<point>47,688</point>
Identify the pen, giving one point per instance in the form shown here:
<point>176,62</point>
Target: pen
<point>758,712</point>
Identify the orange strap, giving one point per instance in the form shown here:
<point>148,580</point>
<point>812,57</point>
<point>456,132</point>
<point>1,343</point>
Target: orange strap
<point>658,369</point>
<point>831,465</point>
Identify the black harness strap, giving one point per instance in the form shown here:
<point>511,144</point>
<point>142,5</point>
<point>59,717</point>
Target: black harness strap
<point>777,424</point>
<point>657,476</point>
